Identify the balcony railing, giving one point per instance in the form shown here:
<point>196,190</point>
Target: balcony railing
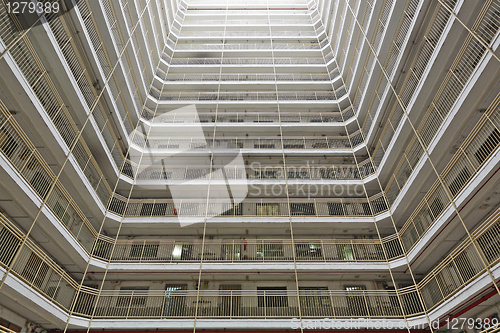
<point>457,270</point>
<point>191,21</point>
<point>249,96</point>
<point>323,172</point>
<point>444,102</point>
<point>479,146</point>
<point>258,143</point>
<point>243,61</point>
<point>228,33</point>
<point>247,46</point>
<point>250,117</point>
<point>269,207</point>
<point>248,251</point>
<point>243,77</point>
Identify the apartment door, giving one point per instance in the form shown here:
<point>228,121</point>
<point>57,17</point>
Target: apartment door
<point>314,301</point>
<point>356,300</point>
<point>272,297</point>
<point>230,303</point>
<point>175,303</point>
<point>231,251</point>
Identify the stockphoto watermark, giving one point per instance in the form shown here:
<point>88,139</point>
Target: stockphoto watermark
<point>193,195</point>
<point>204,183</point>
<point>357,323</point>
<point>387,324</point>
<point>296,175</point>
<point>308,190</point>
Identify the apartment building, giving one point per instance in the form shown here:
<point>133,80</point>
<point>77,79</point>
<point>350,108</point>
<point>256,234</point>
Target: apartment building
<point>265,165</point>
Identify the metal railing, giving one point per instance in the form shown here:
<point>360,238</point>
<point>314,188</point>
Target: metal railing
<point>458,269</point>
<point>268,207</point>
<point>312,172</point>
<point>272,142</point>
<point>207,33</point>
<point>191,21</point>
<point>248,95</point>
<point>46,92</point>
<point>482,142</point>
<point>243,61</point>
<point>24,157</point>
<point>247,46</point>
<point>451,89</point>
<point>249,117</point>
<point>4,329</point>
<point>242,77</point>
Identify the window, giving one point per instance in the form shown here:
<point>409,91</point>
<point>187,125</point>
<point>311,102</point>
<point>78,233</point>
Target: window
<point>354,288</point>
<point>320,144</point>
<point>308,250</point>
<point>356,300</point>
<point>302,209</point>
<point>272,297</point>
<point>327,173</point>
<point>264,146</point>
<point>270,209</point>
<point>293,146</point>
<point>135,296</point>
<point>234,210</point>
<point>182,252</point>
<point>9,325</point>
<point>298,174</point>
<point>335,209</point>
<point>174,300</point>
<point>312,297</point>
<point>266,174</point>
<point>231,251</point>
<point>270,250</point>
<point>144,250</point>
<point>159,209</point>
<point>146,209</point>
<point>344,252</point>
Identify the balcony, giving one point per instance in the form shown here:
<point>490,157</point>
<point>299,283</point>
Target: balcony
<point>250,118</point>
<point>254,96</point>
<point>247,144</point>
<point>462,268</point>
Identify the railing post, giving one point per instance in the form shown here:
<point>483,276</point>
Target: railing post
<point>172,253</point>
<point>265,300</point>
<point>231,305</point>
<point>366,304</point>
<point>323,250</point>
<point>129,304</point>
<point>332,304</point>
<point>143,248</point>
